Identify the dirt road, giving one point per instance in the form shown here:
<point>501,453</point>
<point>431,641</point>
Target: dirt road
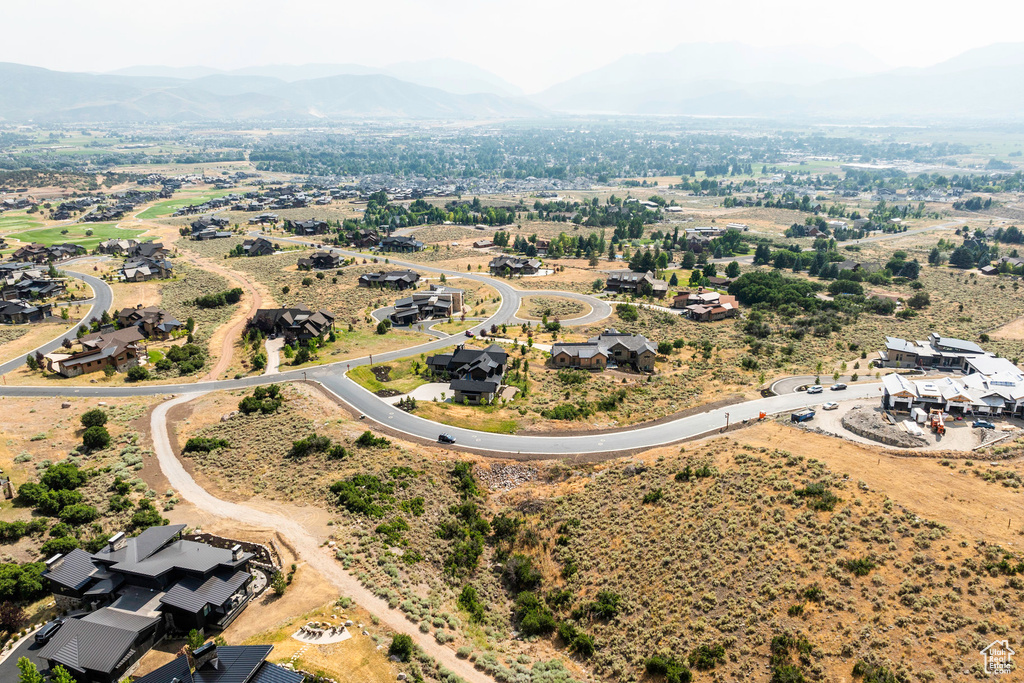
<point>306,546</point>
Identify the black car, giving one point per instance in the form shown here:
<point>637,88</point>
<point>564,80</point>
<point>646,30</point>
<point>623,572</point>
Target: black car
<point>44,634</point>
<point>446,438</point>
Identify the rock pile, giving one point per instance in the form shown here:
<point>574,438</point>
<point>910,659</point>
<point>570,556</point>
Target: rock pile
<point>505,477</point>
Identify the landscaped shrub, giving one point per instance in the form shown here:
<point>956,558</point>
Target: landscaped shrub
<point>137,374</point>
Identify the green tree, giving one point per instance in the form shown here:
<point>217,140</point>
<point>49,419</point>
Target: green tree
<point>733,269</point>
<point>279,583</point>
<point>96,438</point>
<point>94,418</point>
<point>29,671</point>
<point>195,640</point>
<point>401,646</point>
<point>61,675</point>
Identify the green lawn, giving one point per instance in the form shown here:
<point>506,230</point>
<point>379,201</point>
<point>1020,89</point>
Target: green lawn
<point>171,205</point>
<point>18,221</point>
<point>76,234</point>
<point>403,379</point>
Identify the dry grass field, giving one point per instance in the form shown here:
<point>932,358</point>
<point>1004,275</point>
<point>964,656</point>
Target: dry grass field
<point>900,568</point>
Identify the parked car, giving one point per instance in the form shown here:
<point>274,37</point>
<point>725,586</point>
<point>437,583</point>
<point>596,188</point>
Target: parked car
<point>831,405</point>
<point>44,634</point>
<point>816,389</point>
<point>468,333</point>
<point>446,438</point>
<point>838,386</point>
<point>982,424</point>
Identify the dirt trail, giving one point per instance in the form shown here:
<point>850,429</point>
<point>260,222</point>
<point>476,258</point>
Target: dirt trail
<point>305,544</point>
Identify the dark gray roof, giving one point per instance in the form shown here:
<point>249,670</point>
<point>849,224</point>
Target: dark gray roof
<point>473,386</point>
<point>88,646</point>
<point>142,546</point>
<point>129,621</point>
<point>192,594</point>
<point>236,664</point>
<point>183,555</point>
<point>75,571</point>
<point>272,673</point>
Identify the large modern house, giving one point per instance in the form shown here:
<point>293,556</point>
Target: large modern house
<point>995,387</point>
<point>475,374</point>
<point>611,347</point>
<point>118,349</point>
<point>258,247</point>
<point>395,279</point>
<point>321,260</point>
<point>513,265</point>
<point>296,323</point>
<point>17,312</point>
<point>439,301</point>
<point>706,306</point>
<point>400,243</point>
<point>134,592</point>
<point>153,321</point>
<point>145,268</point>
<point>628,282</point>
<point>935,352</point>
<point>214,663</point>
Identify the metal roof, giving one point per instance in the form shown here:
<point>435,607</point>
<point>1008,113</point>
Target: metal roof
<point>192,594</point>
<point>236,664</point>
<point>75,571</point>
<point>89,646</point>
<point>177,668</point>
<point>122,619</point>
<point>142,546</point>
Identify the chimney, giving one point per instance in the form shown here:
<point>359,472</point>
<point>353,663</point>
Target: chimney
<point>54,562</point>
<point>236,552</point>
<point>205,654</point>
<point>117,541</point>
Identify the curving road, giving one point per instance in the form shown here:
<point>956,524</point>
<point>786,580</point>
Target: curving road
<point>102,301</point>
<point>332,377</point>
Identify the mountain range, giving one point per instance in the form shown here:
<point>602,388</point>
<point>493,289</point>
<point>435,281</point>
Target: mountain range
<point>698,79</point>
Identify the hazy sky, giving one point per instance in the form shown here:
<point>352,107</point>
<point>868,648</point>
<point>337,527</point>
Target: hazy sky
<point>532,43</point>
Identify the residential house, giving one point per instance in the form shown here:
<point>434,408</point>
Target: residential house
<point>29,284</point>
<point>138,590</point>
<point>400,243</point>
<point>439,301</point>
<point>476,374</point>
<point>152,321</point>
<point>513,265</point>
<point>258,247</point>
<point>117,349</point>
<point>395,279</point>
<point>362,238</point>
<point>706,306</point>
<point>996,388</point>
<point>212,663</point>
<point>628,282</point>
<point>321,260</point>
<point>18,312</point>
<point>264,219</point>
<point>140,269</point>
<point>148,250</point>
<point>609,347</point>
<point>297,323</point>
<point>38,253</point>
<point>310,227</point>
<point>935,352</point>
<point>116,247</point>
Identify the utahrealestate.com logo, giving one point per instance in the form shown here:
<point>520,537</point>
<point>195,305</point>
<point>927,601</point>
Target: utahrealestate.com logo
<point>998,657</point>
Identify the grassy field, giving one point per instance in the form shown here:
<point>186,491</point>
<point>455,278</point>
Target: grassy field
<point>481,418</point>
<point>170,206</point>
<point>18,221</point>
<point>76,234</point>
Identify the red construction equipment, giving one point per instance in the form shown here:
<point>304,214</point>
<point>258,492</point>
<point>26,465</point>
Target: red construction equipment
<point>935,419</point>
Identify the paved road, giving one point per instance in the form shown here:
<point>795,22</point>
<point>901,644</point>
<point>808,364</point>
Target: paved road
<point>101,302</point>
<point>332,377</point>
<point>599,309</point>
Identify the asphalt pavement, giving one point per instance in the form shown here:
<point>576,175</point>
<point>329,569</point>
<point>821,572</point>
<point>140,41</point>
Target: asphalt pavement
<point>102,301</point>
